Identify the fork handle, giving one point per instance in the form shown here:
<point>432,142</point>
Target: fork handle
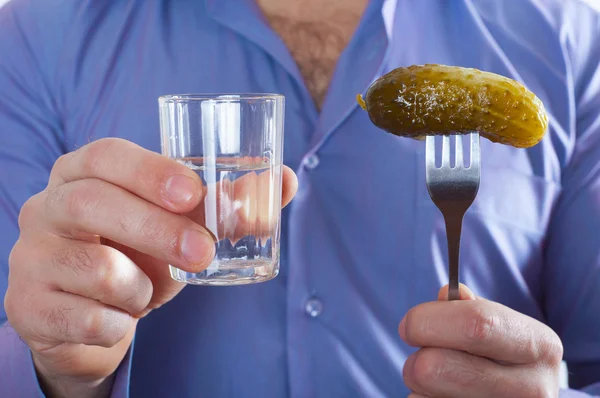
<point>453,232</point>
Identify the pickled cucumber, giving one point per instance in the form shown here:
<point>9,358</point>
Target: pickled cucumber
<point>430,99</point>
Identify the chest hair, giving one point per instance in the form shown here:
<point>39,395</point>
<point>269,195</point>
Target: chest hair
<point>316,41</point>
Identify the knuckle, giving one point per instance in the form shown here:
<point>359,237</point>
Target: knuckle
<point>145,289</point>
<point>28,213</point>
<point>141,294</point>
<point>428,367</point>
<point>60,167</point>
<point>62,163</point>
<point>16,257</point>
<point>11,306</point>
<point>74,258</point>
<point>530,345</point>
<point>94,156</point>
<point>552,349</point>
<point>94,324</point>
<point>107,281</point>
<point>57,321</point>
<point>103,327</point>
<point>480,325</point>
<point>79,200</point>
<point>77,203</point>
<point>18,308</point>
<point>544,347</point>
<point>123,283</point>
<point>54,199</point>
<point>75,200</point>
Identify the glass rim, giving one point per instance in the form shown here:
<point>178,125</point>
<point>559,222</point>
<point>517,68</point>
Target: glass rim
<point>224,97</point>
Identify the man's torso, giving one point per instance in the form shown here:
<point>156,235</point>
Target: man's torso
<point>362,242</point>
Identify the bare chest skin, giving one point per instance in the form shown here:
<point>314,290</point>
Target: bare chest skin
<point>315,33</point>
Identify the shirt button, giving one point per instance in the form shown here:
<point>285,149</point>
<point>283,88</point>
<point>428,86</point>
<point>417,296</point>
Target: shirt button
<point>311,161</point>
<point>314,307</point>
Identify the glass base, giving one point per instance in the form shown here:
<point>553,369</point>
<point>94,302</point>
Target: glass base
<point>230,272</point>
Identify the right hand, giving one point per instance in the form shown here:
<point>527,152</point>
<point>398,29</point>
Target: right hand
<point>92,258</point>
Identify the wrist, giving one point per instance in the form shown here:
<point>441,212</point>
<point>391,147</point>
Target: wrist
<point>60,386</point>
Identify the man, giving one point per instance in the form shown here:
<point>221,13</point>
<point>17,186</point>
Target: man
<point>90,213</point>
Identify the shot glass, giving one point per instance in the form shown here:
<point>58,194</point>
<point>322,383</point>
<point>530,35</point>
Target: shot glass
<point>234,142</point>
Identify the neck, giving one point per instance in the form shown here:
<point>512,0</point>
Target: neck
<point>315,32</point>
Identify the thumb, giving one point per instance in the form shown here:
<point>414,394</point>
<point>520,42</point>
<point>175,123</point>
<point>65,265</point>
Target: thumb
<point>464,293</point>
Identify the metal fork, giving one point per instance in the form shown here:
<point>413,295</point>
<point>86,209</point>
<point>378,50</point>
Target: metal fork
<point>453,190</point>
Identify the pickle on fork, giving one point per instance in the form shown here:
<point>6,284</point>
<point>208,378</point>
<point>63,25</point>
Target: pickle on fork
<point>421,100</point>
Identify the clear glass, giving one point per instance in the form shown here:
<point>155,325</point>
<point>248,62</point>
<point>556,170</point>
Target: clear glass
<point>234,142</point>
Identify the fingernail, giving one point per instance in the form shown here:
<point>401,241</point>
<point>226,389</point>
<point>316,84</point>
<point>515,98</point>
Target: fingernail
<point>402,329</point>
<point>197,247</point>
<point>180,189</point>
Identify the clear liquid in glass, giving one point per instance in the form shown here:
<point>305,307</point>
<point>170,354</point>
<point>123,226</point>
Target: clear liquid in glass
<point>241,208</point>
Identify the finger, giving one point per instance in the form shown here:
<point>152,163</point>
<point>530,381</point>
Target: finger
<point>464,293</point>
<point>146,174</point>
<point>258,206</point>
<point>164,288</point>
<point>436,372</point>
<point>96,207</point>
<point>290,186</point>
<point>48,318</point>
<point>246,206</point>
<point>482,328</point>
<point>91,270</point>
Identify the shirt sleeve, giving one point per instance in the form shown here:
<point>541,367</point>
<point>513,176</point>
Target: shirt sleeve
<point>579,394</point>
<point>572,250</point>
<point>17,372</point>
<point>31,139</point>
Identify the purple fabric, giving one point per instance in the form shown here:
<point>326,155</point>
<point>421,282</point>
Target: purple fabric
<point>361,242</point>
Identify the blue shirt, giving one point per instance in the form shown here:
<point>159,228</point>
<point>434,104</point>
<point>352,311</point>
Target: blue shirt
<point>362,241</point>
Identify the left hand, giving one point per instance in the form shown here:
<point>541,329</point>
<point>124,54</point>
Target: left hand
<point>478,348</point>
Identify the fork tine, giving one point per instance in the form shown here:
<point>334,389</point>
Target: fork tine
<point>458,156</point>
<point>475,152</point>
<point>430,152</point>
<point>453,190</point>
<point>446,151</point>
